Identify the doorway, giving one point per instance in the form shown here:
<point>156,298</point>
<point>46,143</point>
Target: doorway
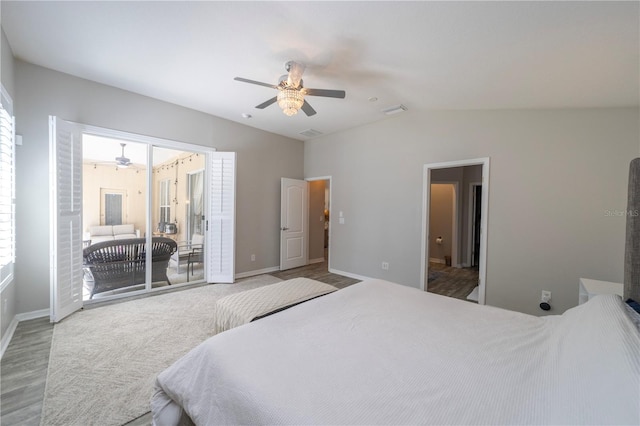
<point>305,223</point>
<point>319,207</point>
<point>471,175</point>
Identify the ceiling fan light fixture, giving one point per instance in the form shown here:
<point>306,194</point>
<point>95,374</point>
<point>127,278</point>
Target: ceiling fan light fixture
<point>290,100</point>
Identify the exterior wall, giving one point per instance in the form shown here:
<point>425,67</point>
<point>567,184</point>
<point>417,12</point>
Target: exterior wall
<point>131,181</point>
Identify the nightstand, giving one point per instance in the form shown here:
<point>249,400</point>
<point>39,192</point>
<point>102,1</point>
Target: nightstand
<point>590,288</point>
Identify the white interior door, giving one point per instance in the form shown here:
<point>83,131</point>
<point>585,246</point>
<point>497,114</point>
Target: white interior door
<point>220,243</point>
<point>65,145</point>
<point>294,232</point>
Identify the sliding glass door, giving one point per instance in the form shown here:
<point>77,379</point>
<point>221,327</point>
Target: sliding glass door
<point>145,216</point>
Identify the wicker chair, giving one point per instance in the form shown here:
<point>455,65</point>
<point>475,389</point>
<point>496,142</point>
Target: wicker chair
<point>111,265</point>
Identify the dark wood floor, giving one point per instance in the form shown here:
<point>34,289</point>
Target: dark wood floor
<point>318,272</point>
<point>452,282</point>
<point>25,363</point>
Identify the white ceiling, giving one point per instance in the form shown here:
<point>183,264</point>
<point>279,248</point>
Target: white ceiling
<point>425,55</point>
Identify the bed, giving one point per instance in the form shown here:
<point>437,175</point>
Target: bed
<point>382,353</point>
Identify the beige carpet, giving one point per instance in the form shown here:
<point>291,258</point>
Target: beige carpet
<point>104,361</point>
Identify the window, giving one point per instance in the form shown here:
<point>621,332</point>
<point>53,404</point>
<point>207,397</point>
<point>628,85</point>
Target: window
<point>165,201</point>
<point>195,215</point>
<point>7,189</point>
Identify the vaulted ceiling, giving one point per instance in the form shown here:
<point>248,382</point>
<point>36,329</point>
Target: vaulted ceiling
<point>424,55</point>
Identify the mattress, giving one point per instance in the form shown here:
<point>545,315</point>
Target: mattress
<point>382,353</point>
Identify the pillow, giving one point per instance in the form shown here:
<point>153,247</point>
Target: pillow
<point>633,309</point>
<point>634,305</point>
<point>101,230</point>
<point>123,229</point>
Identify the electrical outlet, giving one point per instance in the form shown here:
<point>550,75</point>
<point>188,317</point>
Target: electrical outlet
<point>385,266</point>
<point>546,296</point>
<point>253,257</point>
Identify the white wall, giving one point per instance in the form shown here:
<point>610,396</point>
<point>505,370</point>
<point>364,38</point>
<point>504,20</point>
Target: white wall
<point>554,173</point>
<point>262,159</point>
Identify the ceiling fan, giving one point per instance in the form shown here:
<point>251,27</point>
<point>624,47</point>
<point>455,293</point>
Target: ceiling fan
<point>122,161</point>
<point>291,91</point>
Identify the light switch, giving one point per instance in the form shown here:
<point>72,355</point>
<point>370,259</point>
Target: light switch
<point>341,221</point>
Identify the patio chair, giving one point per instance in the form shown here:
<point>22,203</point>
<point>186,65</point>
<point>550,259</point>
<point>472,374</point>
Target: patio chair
<point>186,248</point>
<point>111,265</point>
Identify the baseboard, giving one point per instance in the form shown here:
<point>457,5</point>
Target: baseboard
<point>33,315</point>
<point>8,335</point>
<point>435,260</point>
<point>349,274</point>
<point>318,260</point>
<point>257,272</point>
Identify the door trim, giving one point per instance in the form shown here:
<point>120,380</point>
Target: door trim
<point>471,223</point>
<point>426,193</point>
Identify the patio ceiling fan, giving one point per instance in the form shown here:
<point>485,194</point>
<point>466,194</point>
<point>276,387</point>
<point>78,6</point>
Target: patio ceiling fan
<point>291,91</point>
<point>122,161</point>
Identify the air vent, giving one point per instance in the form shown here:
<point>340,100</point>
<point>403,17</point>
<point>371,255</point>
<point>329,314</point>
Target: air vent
<point>311,133</point>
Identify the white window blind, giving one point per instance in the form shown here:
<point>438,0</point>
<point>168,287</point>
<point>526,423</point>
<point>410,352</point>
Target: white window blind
<point>7,190</point>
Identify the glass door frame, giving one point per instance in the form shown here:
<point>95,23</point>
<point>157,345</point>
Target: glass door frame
<point>150,142</point>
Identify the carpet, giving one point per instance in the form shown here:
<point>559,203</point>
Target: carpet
<point>473,295</point>
<point>104,361</point>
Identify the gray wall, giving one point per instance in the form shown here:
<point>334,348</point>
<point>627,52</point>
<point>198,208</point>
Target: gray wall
<point>262,159</point>
<point>554,174</point>
<point>8,293</point>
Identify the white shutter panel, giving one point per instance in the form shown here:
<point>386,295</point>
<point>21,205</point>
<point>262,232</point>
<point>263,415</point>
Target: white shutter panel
<point>7,195</point>
<point>220,246</point>
<point>66,218</point>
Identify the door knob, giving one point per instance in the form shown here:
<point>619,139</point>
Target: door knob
<point>284,228</point>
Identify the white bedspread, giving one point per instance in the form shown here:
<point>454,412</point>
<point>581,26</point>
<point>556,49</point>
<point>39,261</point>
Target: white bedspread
<point>382,353</point>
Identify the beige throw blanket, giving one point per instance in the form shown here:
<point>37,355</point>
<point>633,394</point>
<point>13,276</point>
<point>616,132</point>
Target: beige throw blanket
<point>244,307</point>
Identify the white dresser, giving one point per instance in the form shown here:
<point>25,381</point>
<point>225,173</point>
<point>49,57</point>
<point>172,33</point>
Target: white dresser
<point>590,288</point>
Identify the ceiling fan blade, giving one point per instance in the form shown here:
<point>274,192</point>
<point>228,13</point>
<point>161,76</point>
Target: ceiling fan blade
<point>327,93</point>
<point>267,103</point>
<point>308,109</point>
<point>259,83</point>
